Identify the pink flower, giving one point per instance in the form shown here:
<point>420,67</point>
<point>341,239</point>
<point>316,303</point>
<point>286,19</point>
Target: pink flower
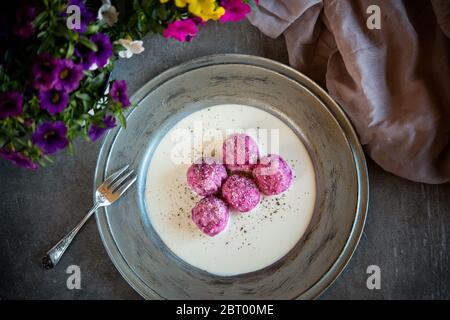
<point>182,30</point>
<point>235,10</point>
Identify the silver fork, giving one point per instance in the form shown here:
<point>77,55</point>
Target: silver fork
<point>107,193</point>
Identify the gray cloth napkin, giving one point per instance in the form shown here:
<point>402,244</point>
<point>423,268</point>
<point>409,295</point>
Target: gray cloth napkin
<point>393,83</point>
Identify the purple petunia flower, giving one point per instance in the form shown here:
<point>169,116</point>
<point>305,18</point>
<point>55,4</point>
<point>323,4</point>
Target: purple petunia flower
<point>90,59</point>
<point>86,16</point>
<point>119,93</point>
<point>44,71</point>
<point>18,159</point>
<point>53,100</point>
<point>86,60</point>
<point>96,131</point>
<point>11,104</point>
<point>235,10</point>
<point>109,121</point>
<point>104,50</point>
<point>25,15</point>
<point>51,136</point>
<point>69,76</point>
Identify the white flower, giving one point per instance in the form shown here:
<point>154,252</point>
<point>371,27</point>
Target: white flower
<point>94,66</point>
<point>131,47</point>
<point>108,13</point>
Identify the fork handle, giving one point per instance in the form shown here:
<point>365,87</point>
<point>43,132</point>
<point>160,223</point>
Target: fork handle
<point>53,255</point>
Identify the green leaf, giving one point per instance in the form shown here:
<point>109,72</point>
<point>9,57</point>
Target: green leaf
<point>162,12</point>
<point>41,162</point>
<point>70,148</point>
<point>63,31</point>
<point>42,34</point>
<point>40,18</point>
<point>81,123</point>
<point>74,36</point>
<point>118,47</point>
<point>3,140</point>
<point>70,50</point>
<point>82,96</point>
<point>141,21</point>
<point>136,5</point>
<point>98,81</point>
<point>93,28</point>
<point>147,4</point>
<point>48,159</point>
<point>88,43</point>
<point>122,120</point>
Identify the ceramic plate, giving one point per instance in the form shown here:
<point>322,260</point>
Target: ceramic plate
<point>149,235</point>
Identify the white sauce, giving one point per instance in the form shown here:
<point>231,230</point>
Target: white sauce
<point>252,240</point>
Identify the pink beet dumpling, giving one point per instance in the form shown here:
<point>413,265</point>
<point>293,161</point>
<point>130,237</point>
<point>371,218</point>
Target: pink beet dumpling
<point>211,215</point>
<point>207,177</point>
<point>241,193</point>
<point>272,175</point>
<point>240,152</point>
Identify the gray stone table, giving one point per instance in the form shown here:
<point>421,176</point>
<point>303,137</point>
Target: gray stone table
<point>407,232</point>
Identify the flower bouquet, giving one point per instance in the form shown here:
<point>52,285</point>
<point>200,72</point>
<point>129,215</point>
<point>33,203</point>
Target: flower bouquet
<point>56,57</point>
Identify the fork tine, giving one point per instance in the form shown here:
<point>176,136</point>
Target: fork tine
<point>114,176</point>
<point>119,181</point>
<point>121,190</point>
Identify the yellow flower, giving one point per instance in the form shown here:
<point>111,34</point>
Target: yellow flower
<point>178,3</point>
<point>205,9</point>
<point>182,3</point>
